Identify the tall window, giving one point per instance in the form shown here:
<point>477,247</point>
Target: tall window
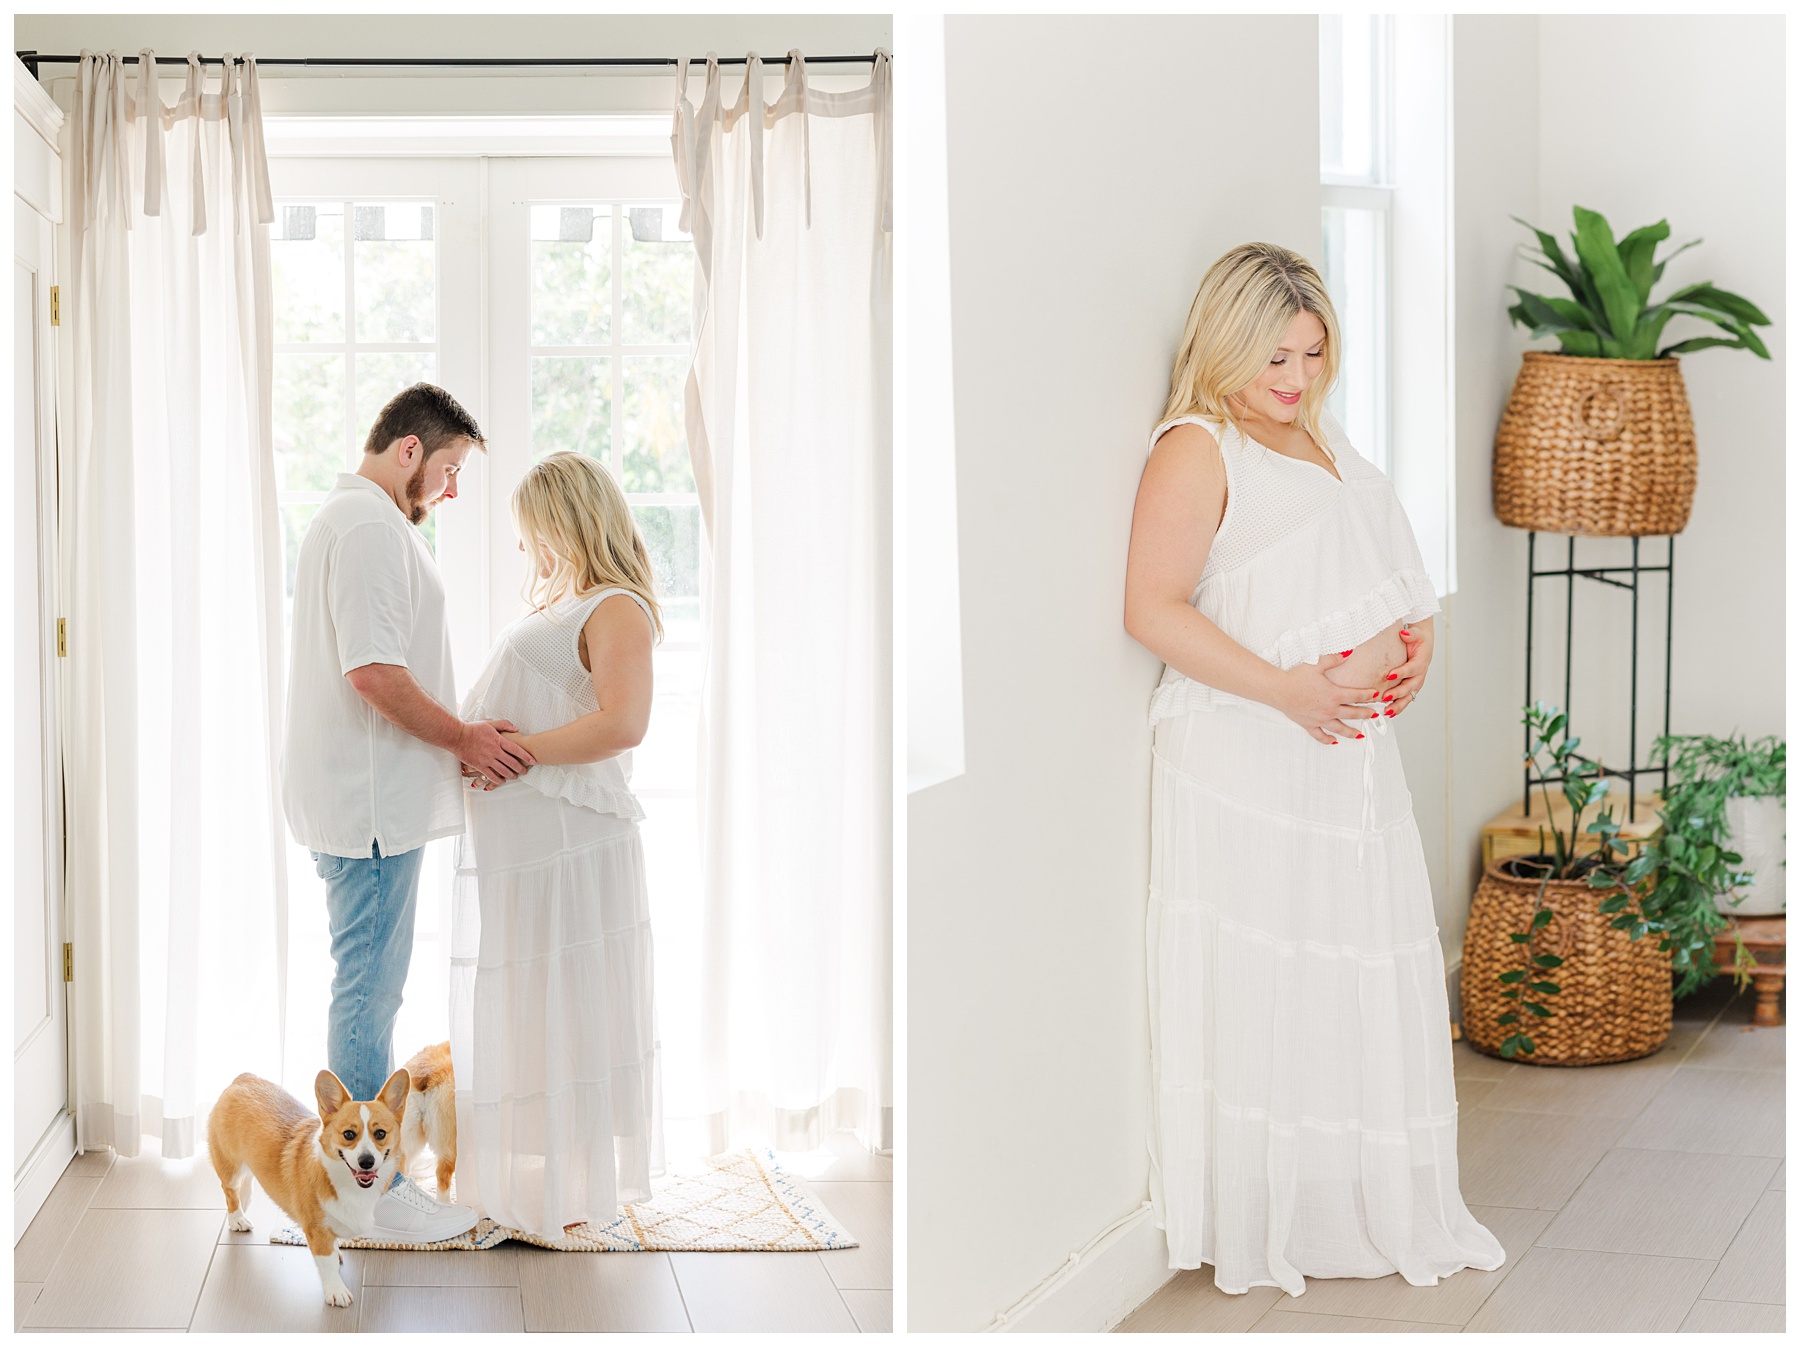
<point>611,317</point>
<point>355,321</point>
<point>554,298</point>
<point>611,321</point>
<point>1356,157</point>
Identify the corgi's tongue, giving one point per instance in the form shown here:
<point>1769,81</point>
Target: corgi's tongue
<point>364,1177</point>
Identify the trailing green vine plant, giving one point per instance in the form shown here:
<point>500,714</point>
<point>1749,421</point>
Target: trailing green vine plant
<point>1694,864</point>
<point>1605,868</point>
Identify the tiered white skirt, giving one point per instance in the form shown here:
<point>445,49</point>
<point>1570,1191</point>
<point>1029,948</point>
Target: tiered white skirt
<point>552,1026</point>
<point>1303,1112</point>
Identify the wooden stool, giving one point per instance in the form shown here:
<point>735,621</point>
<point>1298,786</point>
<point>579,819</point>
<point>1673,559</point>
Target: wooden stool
<point>1765,939</point>
<point>1515,833</point>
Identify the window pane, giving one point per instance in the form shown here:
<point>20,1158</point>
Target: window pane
<point>671,841</point>
<point>672,537</point>
<point>571,275</point>
<point>656,455</point>
<point>665,760</point>
<point>396,272</point>
<point>306,257</point>
<point>1352,60</point>
<point>308,421</point>
<point>681,619</point>
<point>380,375</point>
<point>1355,253</point>
<point>571,406</point>
<point>294,519</point>
<point>658,276</point>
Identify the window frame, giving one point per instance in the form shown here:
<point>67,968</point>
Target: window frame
<point>1412,190</point>
<point>1372,193</point>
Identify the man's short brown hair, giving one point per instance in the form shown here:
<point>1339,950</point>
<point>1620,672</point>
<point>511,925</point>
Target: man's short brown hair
<point>427,411</point>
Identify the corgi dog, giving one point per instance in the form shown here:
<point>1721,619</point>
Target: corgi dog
<point>326,1170</point>
<point>430,1118</point>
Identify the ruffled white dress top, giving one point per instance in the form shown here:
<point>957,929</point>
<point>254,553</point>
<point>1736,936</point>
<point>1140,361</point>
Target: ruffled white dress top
<point>1302,563</point>
<point>535,679</point>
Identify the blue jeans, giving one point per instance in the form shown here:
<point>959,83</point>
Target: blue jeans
<point>370,903</point>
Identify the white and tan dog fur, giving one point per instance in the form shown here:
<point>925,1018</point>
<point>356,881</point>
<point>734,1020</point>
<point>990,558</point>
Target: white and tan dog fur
<point>326,1170</point>
<point>431,1114</point>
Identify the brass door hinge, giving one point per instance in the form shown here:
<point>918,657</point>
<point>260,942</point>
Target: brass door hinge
<point>56,306</point>
<point>62,638</point>
<point>68,963</point>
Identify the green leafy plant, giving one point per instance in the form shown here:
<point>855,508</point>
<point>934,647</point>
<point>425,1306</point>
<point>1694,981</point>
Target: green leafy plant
<point>1609,312</point>
<point>1694,864</point>
<point>1605,868</point>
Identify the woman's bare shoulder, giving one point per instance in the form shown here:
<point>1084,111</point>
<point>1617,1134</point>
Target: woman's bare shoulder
<point>1187,452</point>
<point>1187,437</point>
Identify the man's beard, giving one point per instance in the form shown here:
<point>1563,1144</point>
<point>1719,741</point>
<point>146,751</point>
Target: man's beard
<point>415,492</point>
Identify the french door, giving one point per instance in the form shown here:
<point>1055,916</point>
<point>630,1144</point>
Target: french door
<point>43,1134</point>
<point>553,298</point>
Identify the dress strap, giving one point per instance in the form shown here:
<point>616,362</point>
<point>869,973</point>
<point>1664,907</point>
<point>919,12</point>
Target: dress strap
<point>594,600</point>
<point>1212,425</point>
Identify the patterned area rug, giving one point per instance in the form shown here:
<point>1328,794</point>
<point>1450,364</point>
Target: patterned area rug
<point>741,1202</point>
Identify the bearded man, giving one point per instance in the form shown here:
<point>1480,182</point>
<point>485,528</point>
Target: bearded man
<point>373,763</point>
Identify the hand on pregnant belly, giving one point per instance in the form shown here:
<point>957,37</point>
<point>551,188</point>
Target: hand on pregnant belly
<point>1323,707</point>
<point>1392,661</point>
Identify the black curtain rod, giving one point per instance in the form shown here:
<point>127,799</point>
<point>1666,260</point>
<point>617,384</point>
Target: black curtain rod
<point>32,60</point>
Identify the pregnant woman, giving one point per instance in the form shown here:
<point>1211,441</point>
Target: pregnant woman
<point>1303,1119</point>
<point>554,1042</point>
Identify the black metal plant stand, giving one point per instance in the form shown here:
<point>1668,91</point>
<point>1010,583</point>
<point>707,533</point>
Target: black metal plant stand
<point>1605,575</point>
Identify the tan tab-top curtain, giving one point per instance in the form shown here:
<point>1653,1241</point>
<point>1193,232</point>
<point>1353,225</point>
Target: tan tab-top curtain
<point>173,573</point>
<point>788,410</point>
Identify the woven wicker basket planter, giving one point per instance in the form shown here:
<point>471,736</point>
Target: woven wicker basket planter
<point>1616,1001</point>
<point>1600,448</point>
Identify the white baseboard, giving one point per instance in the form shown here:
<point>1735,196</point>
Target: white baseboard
<point>1118,1270</point>
<point>38,1175</point>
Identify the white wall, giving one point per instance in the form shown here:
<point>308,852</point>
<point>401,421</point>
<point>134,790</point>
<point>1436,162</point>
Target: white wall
<point>1711,159</point>
<point>345,92</point>
<point>1480,666</point>
<point>1081,223</point>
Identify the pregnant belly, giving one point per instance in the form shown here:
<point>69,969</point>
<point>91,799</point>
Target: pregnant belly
<point>1371,662</point>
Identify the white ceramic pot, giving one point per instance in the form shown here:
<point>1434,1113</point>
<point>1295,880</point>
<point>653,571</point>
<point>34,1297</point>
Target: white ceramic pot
<point>1759,835</point>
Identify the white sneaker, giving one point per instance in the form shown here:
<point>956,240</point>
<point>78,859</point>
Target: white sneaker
<point>406,1214</point>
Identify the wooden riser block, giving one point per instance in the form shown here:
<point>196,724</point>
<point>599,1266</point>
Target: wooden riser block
<point>1513,832</point>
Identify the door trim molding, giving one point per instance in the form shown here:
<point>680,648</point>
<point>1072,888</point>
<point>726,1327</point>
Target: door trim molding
<point>42,1168</point>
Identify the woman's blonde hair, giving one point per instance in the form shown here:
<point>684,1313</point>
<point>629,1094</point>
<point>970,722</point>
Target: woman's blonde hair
<point>572,506</point>
<point>1240,314</point>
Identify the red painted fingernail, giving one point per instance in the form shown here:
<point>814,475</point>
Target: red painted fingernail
<point>1387,713</point>
<point>1345,653</point>
<point>1359,736</point>
<point>1391,677</point>
<point>1387,696</point>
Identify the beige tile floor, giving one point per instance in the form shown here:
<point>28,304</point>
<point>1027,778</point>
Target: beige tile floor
<point>140,1243</point>
<point>1645,1196</point>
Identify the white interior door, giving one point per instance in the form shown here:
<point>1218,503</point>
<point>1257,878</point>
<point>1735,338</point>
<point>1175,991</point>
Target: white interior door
<point>42,1135</point>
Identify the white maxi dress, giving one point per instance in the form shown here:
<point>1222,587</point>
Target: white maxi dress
<point>552,1031</point>
<point>1303,1118</point>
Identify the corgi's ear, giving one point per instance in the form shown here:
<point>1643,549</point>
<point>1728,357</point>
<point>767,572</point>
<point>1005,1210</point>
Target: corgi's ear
<point>393,1094</point>
<point>331,1093</point>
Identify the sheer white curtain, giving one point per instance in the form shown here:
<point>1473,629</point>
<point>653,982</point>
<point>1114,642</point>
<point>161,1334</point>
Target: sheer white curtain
<point>173,572</point>
<point>788,410</point>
